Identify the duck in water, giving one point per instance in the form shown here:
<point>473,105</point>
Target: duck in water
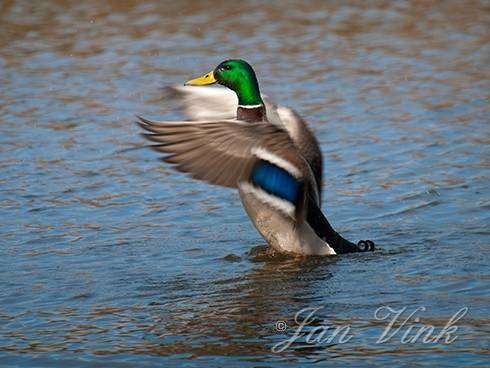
<point>238,139</point>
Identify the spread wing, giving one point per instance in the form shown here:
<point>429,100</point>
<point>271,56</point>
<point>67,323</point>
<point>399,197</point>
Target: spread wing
<point>215,103</point>
<point>224,152</point>
<point>304,139</point>
<point>236,154</point>
<point>212,103</point>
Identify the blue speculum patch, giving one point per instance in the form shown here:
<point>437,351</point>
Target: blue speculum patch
<point>276,181</point>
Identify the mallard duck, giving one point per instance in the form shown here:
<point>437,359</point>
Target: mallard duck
<point>237,138</point>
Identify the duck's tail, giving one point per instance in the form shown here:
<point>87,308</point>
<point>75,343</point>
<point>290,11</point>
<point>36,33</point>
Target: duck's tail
<point>319,223</point>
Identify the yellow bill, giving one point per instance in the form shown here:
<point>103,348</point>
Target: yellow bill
<point>204,80</point>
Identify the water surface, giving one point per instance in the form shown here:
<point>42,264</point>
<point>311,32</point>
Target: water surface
<point>110,257</point>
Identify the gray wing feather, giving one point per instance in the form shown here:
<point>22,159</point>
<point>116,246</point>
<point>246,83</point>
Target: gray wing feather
<point>214,103</point>
<point>305,140</point>
<point>221,152</point>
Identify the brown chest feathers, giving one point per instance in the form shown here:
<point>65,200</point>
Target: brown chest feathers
<point>251,114</point>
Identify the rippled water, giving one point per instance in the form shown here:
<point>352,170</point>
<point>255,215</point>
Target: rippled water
<point>109,256</point>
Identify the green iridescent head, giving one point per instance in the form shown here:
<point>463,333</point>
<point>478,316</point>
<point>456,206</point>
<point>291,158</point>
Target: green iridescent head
<point>238,76</point>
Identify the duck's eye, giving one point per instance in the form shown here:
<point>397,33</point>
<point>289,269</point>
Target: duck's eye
<point>226,67</point>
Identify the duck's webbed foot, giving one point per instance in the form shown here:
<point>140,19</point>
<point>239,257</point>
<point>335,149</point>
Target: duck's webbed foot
<point>365,246</point>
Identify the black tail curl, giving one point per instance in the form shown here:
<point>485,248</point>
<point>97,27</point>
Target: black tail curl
<point>319,223</point>
<point>366,245</point>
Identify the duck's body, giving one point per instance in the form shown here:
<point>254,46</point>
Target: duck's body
<point>265,151</point>
<point>213,104</point>
<point>282,232</point>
